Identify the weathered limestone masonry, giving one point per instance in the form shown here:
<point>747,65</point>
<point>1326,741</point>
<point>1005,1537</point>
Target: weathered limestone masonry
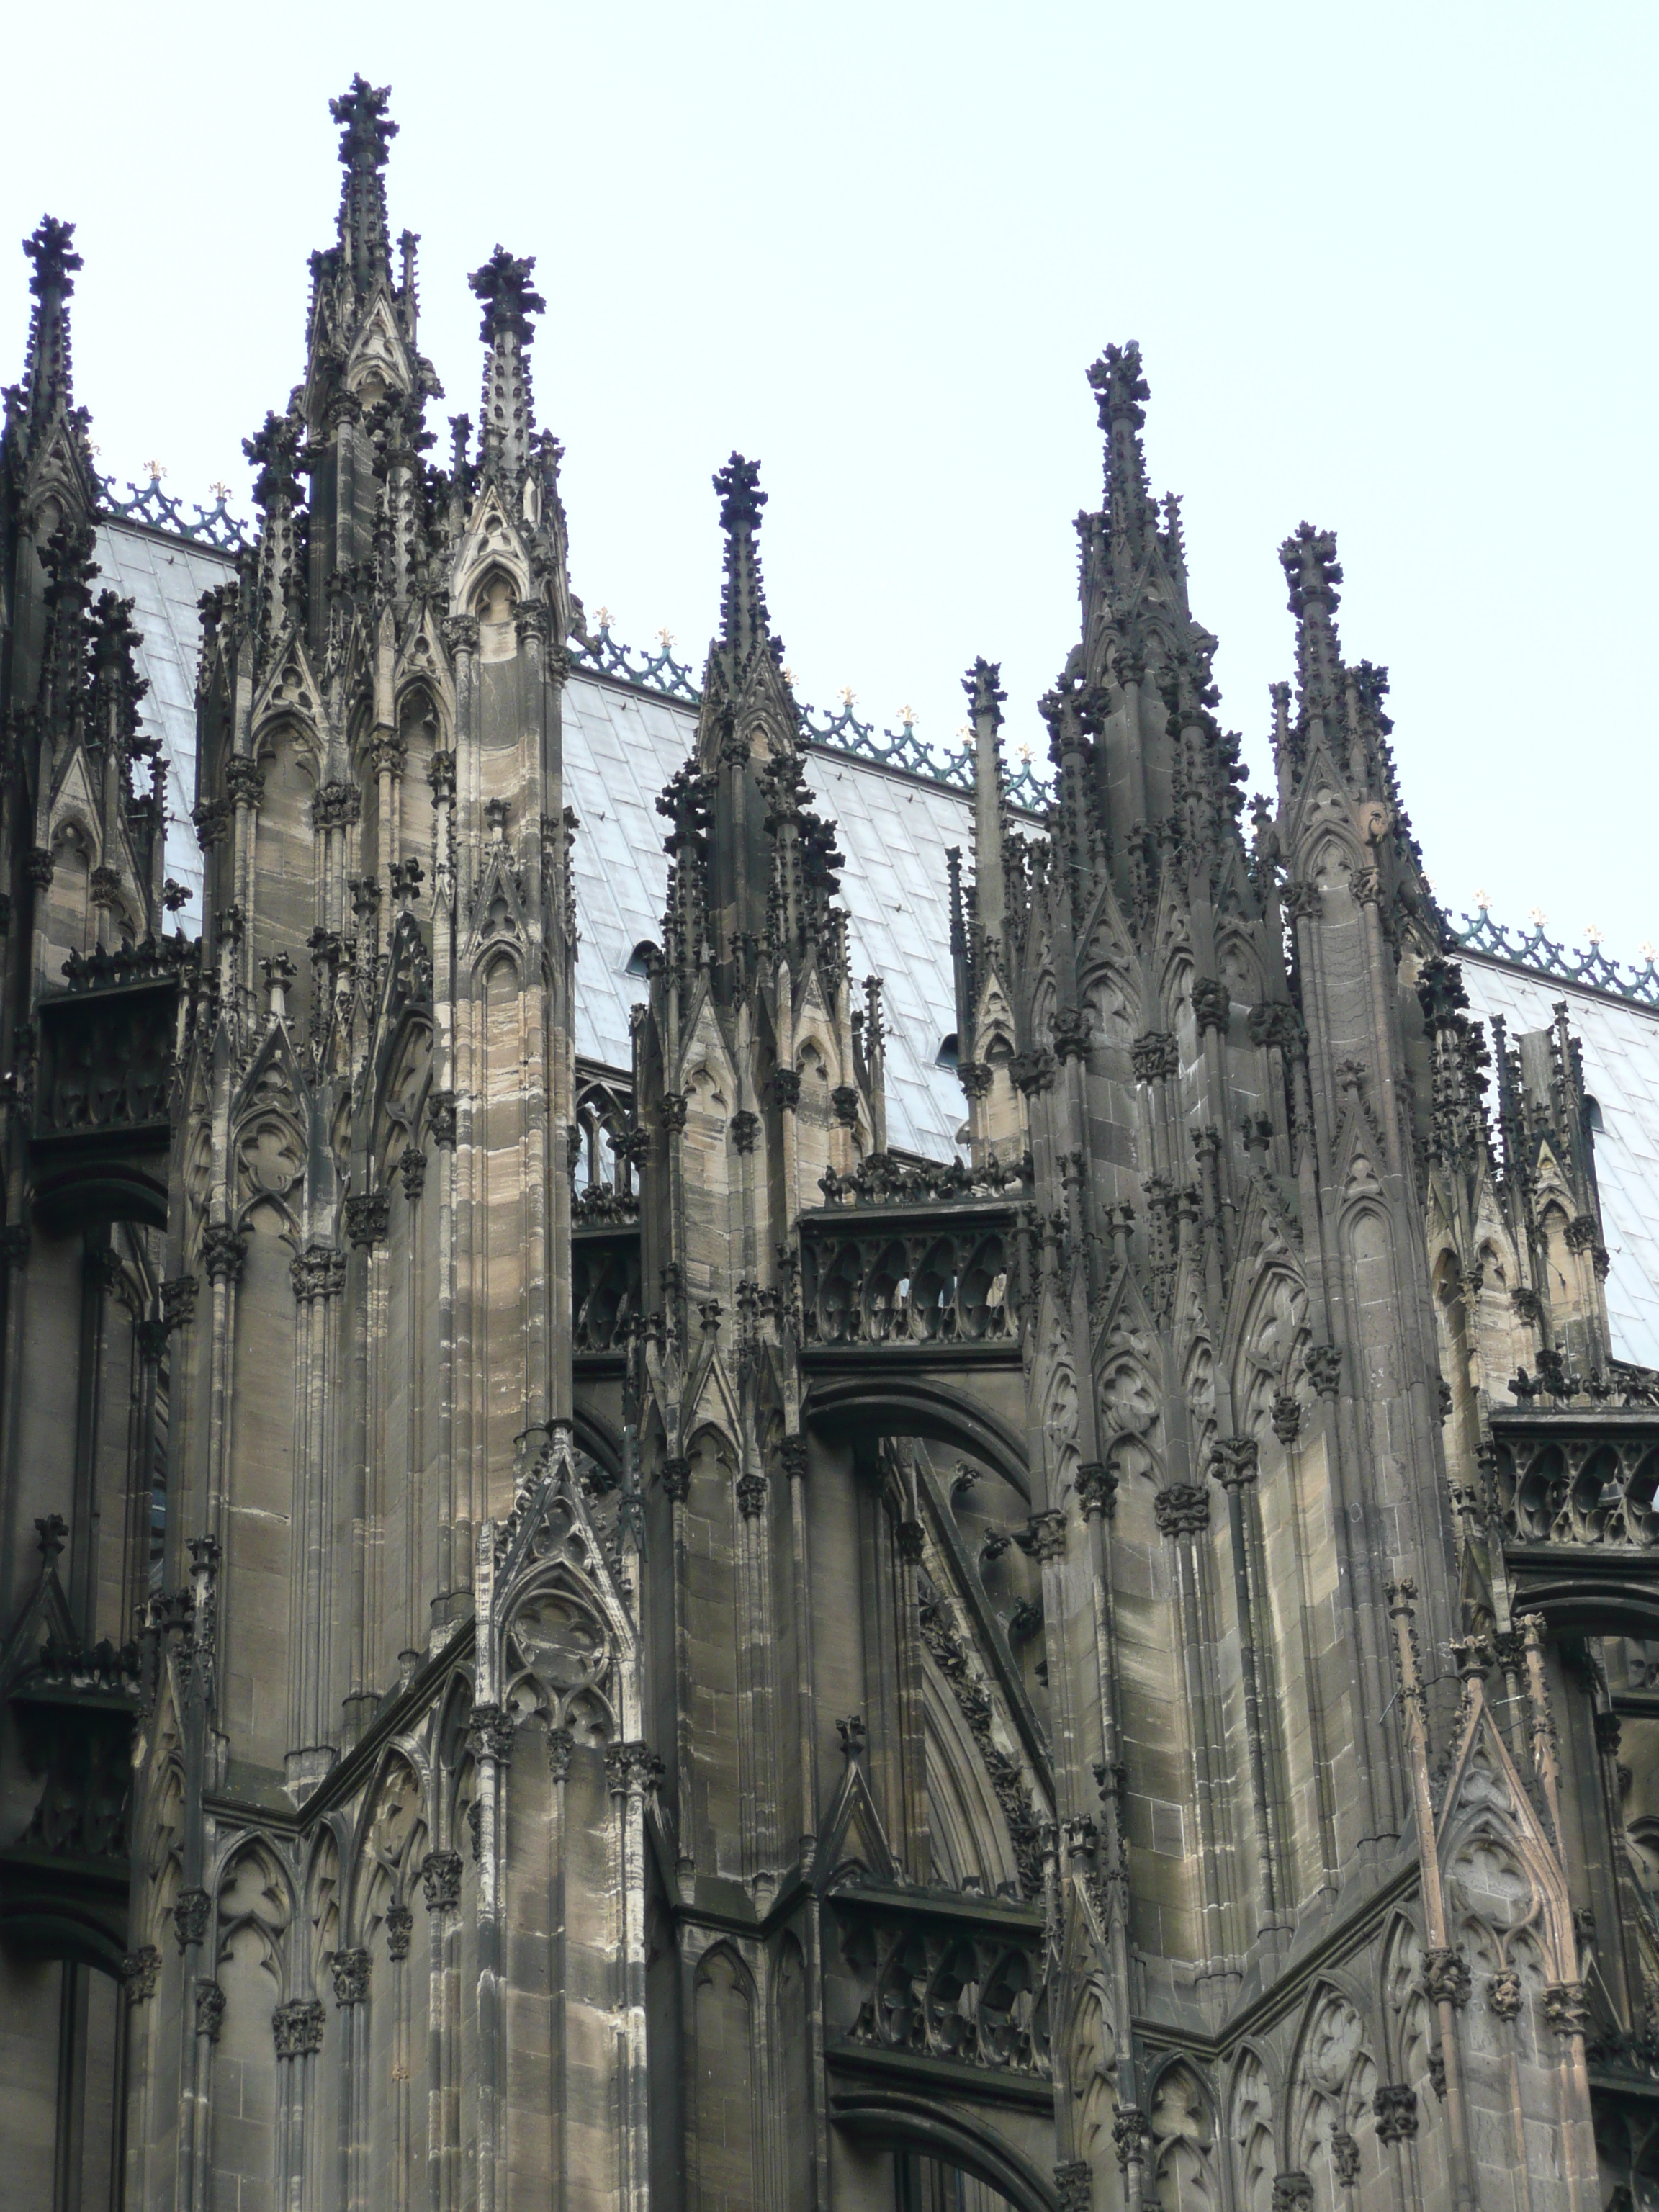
<point>763,1670</point>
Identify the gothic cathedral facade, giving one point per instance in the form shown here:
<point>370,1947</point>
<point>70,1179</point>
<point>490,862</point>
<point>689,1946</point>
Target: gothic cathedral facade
<point>592,1638</point>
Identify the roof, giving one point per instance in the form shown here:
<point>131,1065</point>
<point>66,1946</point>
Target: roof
<point>1620,1045</point>
<point>164,577</point>
<point>624,740</point>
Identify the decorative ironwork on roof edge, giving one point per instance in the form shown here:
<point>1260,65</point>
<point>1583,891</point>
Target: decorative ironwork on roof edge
<point>215,526</point>
<point>1532,950</point>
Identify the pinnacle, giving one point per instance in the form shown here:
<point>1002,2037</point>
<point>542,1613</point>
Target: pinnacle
<point>1311,568</point>
<point>367,132</point>
<point>1121,394</point>
<point>744,620</point>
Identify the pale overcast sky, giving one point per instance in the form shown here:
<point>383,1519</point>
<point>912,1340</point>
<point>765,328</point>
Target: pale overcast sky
<point>1391,267</point>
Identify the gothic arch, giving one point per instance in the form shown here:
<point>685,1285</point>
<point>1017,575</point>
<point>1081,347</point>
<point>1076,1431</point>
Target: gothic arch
<point>1182,2121</point>
<point>897,2120</point>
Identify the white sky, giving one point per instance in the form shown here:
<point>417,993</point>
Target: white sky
<point>1390,266</point>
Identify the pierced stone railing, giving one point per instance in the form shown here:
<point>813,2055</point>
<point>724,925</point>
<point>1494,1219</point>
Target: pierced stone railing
<point>1578,1476</point>
<point>605,1287</point>
<point>946,1976</point>
<point>934,1279</point>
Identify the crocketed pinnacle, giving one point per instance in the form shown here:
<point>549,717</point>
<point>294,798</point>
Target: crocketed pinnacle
<point>1313,573</point>
<point>983,685</point>
<point>745,624</point>
<point>367,132</point>
<point>48,384</point>
<point>1121,393</point>
<point>509,301</point>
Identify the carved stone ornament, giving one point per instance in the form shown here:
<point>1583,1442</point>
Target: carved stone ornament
<point>561,1742</point>
<point>1275,1022</point>
<point>1155,1055</point>
<point>1344,2157</point>
<point>1293,2192</point>
<point>351,1973</point>
<point>492,1731</point>
<point>1096,1490</point>
<point>335,805</point>
<point>792,1456</point>
<point>190,1916</point>
<point>845,1100</point>
<point>1210,1005</point>
<point>1074,2187</point>
<point>1073,1033</point>
<point>209,2009</point>
<point>1033,1071</point>
<point>1287,1417</point>
<point>1581,1233</point>
<point>677,1478</point>
<point>1566,2008</point>
<point>38,868</point>
<point>1183,1510</point>
<point>440,1117</point>
<point>141,1970</point>
<point>399,1925</point>
<point>1445,1977</point>
<point>318,1272</point>
<point>411,1165</point>
<point>1504,1994</point>
<point>1396,2107</point>
<point>851,1730</point>
<point>745,1128</point>
<point>460,634</point>
<point>673,1109</point>
<point>631,1768</point>
<point>975,1077</point>
<point>224,1252</point>
<point>14,1244</point>
<point>1234,1461</point>
<point>783,1088</point>
<point>1129,2133</point>
<point>751,1495</point>
<point>245,782</point>
<point>908,1537</point>
<point>1322,1366</point>
<point>211,817</point>
<point>440,775</point>
<point>1047,1535</point>
<point>441,1881</point>
<point>367,1218</point>
<point>297,2027</point>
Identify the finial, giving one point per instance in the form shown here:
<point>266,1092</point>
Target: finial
<point>741,496</point>
<point>50,246</point>
<point>1121,390</point>
<point>1311,568</point>
<point>503,285</point>
<point>983,684</point>
<point>368,130</point>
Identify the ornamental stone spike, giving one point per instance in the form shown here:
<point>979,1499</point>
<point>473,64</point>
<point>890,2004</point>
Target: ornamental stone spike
<point>509,417</point>
<point>746,626</point>
<point>982,684</point>
<point>366,135</point>
<point>48,386</point>
<point>1120,391</point>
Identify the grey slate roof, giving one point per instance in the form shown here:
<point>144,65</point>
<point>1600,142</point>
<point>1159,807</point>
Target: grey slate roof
<point>621,747</point>
<point>1620,1045</point>
<point>165,577</point>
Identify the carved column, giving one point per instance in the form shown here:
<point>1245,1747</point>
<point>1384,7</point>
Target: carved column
<point>318,1276</point>
<point>365,1220</point>
<point>224,1254</point>
<point>630,1772</point>
<point>350,1972</point>
<point>390,753</point>
<point>245,785</point>
<point>561,1742</point>
<point>440,1887</point>
<point>296,2029</point>
<point>492,1735</point>
<point>1234,1463</point>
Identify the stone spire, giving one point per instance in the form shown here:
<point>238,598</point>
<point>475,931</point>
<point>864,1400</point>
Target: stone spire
<point>744,626</point>
<point>1313,573</point>
<point>1121,394</point>
<point>275,450</point>
<point>985,697</point>
<point>367,132</point>
<point>503,284</point>
<point>48,389</point>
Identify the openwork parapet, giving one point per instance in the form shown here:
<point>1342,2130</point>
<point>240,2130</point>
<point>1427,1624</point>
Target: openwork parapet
<point>941,1980</point>
<point>1578,1477</point>
<point>936,1281</point>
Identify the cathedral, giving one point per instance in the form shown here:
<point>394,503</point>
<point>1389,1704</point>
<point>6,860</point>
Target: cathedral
<point>744,1467</point>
